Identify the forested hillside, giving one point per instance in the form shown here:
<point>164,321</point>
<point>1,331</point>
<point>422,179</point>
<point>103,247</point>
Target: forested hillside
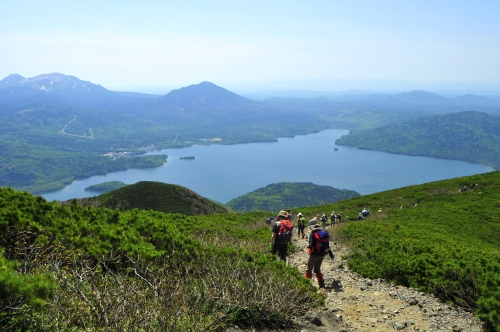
<point>157,196</point>
<point>46,145</point>
<point>468,136</point>
<point>277,196</point>
<point>106,186</point>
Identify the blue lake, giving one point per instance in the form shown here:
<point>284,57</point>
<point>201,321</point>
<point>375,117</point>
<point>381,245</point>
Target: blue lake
<point>224,172</point>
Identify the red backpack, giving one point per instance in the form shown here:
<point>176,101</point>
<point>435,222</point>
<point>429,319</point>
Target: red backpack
<point>285,231</point>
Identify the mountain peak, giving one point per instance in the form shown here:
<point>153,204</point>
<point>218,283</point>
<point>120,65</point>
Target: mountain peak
<point>422,97</point>
<point>53,82</point>
<point>204,95</point>
<point>11,80</point>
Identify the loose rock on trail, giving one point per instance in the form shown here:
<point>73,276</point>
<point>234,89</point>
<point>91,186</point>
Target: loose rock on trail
<point>357,304</point>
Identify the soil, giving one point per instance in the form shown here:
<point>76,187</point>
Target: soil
<point>357,304</point>
<point>361,304</point>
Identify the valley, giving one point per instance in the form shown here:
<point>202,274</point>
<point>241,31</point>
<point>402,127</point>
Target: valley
<point>98,121</point>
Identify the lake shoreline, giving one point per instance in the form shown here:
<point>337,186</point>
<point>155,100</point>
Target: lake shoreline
<point>223,172</point>
<point>77,178</point>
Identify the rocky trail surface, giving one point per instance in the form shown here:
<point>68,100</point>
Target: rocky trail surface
<point>357,304</point>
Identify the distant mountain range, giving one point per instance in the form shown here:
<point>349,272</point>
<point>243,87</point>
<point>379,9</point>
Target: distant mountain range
<point>59,88</point>
<point>418,100</point>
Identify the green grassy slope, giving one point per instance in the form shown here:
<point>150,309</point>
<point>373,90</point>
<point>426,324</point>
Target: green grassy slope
<point>277,196</point>
<point>468,136</point>
<point>448,245</point>
<point>68,268</point>
<point>157,196</point>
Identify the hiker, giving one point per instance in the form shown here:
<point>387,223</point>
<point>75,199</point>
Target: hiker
<point>318,248</point>
<point>290,215</point>
<point>323,220</point>
<point>333,216</point>
<point>270,220</point>
<point>302,225</point>
<point>339,217</point>
<point>281,235</point>
<point>360,216</point>
<point>365,212</point>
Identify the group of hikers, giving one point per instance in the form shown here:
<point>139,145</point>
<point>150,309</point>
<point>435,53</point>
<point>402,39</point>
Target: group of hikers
<point>464,188</point>
<point>364,213</point>
<point>318,241</point>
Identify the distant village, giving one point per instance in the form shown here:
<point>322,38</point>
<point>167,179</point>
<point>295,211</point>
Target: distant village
<point>139,151</point>
<point>210,139</point>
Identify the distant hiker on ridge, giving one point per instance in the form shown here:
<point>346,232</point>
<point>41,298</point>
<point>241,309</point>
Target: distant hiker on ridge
<point>323,220</point>
<point>302,225</point>
<point>333,216</point>
<point>339,217</point>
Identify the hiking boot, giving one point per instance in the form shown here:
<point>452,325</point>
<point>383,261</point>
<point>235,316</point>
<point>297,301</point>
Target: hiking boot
<point>321,281</point>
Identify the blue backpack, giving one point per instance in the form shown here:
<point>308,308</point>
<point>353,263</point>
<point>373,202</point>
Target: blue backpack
<point>322,242</point>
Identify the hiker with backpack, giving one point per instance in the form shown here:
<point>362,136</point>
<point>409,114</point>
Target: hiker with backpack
<point>333,216</point>
<point>318,248</point>
<point>339,217</point>
<point>323,220</point>
<point>301,224</point>
<point>281,235</point>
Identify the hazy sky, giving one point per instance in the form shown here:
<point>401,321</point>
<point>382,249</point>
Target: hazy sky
<point>312,45</point>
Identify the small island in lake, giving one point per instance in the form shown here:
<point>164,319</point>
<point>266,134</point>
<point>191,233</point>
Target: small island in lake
<point>106,186</point>
<point>187,158</point>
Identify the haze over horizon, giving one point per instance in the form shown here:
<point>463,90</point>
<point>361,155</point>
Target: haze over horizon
<point>446,47</point>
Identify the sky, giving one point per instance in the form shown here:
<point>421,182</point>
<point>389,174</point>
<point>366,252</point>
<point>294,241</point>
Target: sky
<point>155,46</point>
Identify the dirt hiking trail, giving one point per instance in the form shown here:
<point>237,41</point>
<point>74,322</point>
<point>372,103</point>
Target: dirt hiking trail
<point>361,304</point>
